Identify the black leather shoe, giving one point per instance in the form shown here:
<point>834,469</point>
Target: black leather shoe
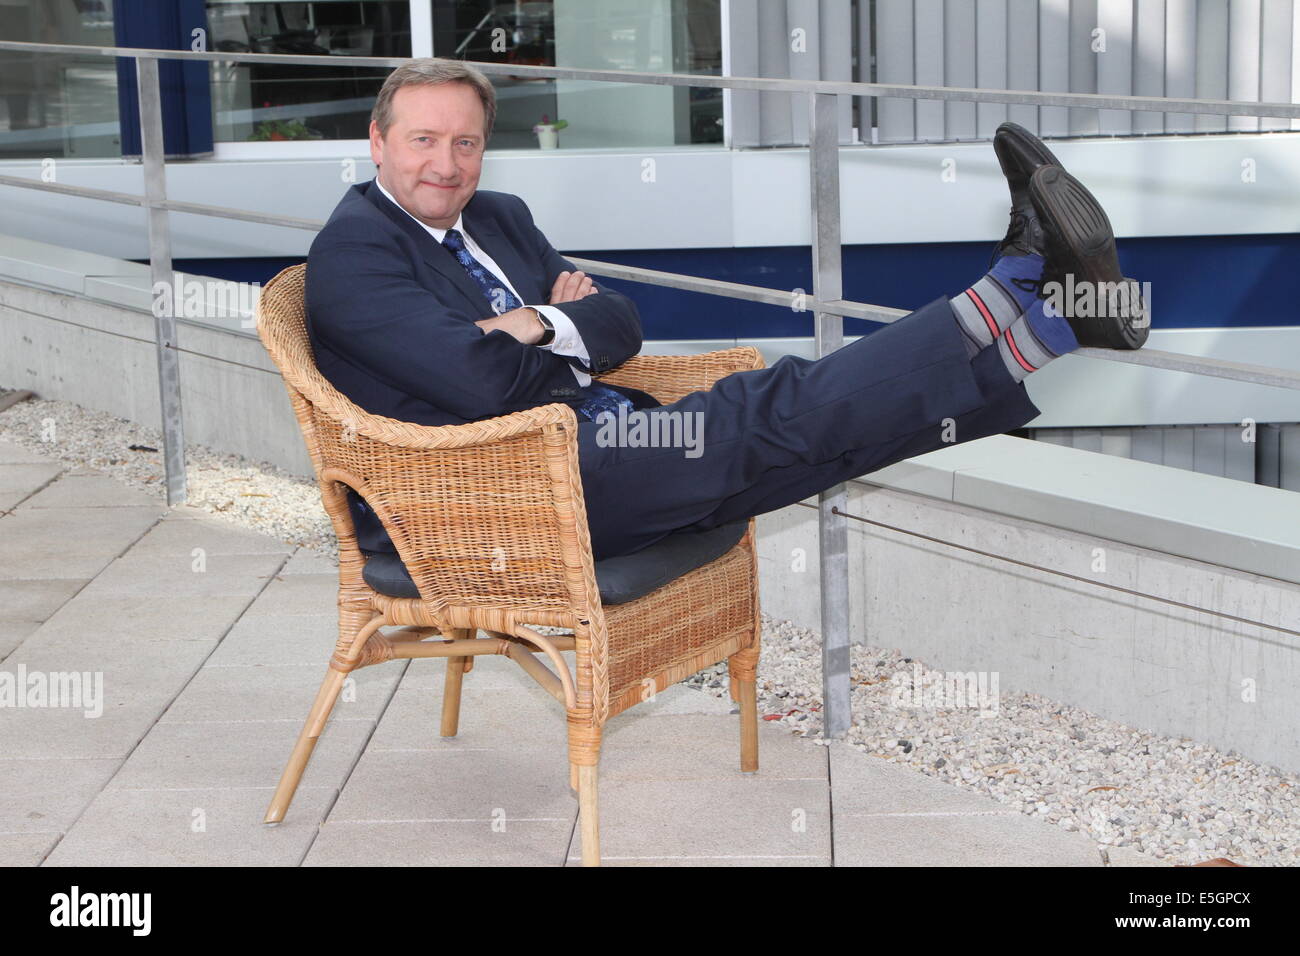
<point>1019,153</point>
<point>1103,308</point>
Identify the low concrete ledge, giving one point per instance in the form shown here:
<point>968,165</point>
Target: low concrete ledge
<point>1221,521</point>
<point>58,267</point>
<point>1147,638</point>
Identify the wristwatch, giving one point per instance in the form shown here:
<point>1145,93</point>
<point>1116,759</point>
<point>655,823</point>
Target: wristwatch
<point>548,334</point>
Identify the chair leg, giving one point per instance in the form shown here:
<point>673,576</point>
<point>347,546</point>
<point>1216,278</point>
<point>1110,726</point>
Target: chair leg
<point>302,750</point>
<point>588,815</point>
<point>743,668</point>
<point>456,668</point>
<point>584,755</point>
<point>748,726</point>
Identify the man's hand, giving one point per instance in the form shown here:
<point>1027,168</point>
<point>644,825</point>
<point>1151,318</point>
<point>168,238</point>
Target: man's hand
<point>522,323</point>
<point>572,286</point>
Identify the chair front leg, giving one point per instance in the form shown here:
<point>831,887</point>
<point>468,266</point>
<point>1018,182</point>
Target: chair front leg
<point>743,669</point>
<point>456,668</point>
<point>351,621</point>
<point>584,755</point>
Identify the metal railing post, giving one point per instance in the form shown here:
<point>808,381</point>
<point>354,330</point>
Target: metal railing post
<point>161,276</point>
<point>832,526</point>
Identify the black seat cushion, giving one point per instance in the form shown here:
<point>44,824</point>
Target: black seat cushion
<point>620,579</point>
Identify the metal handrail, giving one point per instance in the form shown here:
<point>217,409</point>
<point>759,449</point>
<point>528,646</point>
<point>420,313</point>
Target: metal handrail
<point>1100,101</point>
<point>827,302</point>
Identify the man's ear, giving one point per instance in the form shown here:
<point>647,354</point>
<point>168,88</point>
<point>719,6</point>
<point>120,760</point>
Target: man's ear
<point>376,144</point>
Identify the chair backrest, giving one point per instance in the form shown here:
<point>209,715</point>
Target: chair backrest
<point>484,515</point>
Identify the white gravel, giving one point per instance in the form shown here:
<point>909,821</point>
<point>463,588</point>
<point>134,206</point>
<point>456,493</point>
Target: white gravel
<point>1171,798</point>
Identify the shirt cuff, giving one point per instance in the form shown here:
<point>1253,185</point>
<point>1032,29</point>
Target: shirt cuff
<point>567,341</point>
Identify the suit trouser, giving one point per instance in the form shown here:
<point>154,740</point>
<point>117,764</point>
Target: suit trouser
<point>769,438</point>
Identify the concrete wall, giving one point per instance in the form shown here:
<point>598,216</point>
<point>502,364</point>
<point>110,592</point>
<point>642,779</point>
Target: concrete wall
<point>233,398</point>
<point>1135,656</point>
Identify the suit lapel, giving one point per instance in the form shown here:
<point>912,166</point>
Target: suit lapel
<point>483,229</point>
<point>433,253</point>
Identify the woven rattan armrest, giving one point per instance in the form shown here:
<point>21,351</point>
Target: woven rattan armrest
<point>669,377</point>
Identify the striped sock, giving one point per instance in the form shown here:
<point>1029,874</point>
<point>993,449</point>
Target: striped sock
<point>987,309</point>
<point>1033,340</point>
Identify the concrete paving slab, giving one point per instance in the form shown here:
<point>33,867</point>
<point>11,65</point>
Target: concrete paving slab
<point>12,453</point>
<point>516,718</point>
<point>25,481</point>
<point>180,535</point>
<point>745,820</point>
<point>989,838</point>
<point>298,639</point>
<point>307,561</point>
<point>89,491</point>
<point>13,633</point>
<point>476,843</point>
<point>42,543</point>
<point>285,692</point>
<point>42,566</point>
<point>238,754</point>
<point>26,849</point>
<point>35,600</point>
<point>45,795</point>
<point>175,577</point>
<point>298,594</point>
<point>865,784</point>
<point>191,828</point>
<point>466,785</point>
<point>127,620</point>
<point>137,683</point>
<point>701,747</point>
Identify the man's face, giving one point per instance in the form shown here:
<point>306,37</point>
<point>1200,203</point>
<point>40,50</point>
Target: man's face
<point>432,156</point>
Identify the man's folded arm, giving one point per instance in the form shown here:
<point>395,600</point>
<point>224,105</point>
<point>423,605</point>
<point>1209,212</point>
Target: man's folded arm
<point>365,304</point>
<point>608,321</point>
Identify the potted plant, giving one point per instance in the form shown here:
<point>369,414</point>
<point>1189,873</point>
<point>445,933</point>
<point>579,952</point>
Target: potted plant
<point>282,130</point>
<point>547,132</point>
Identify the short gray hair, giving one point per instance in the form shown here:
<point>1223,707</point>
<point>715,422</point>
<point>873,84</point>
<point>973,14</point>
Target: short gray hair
<point>431,72</point>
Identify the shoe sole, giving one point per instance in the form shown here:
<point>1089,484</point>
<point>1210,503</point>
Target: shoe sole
<point>1079,236</point>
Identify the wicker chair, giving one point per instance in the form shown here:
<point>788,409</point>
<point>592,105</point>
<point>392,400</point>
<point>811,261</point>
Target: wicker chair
<point>489,521</point>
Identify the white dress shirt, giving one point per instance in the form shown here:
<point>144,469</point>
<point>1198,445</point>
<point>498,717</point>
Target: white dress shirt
<point>567,341</point>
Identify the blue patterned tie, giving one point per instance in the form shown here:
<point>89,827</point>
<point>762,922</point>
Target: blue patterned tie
<point>598,398</point>
<point>502,299</point>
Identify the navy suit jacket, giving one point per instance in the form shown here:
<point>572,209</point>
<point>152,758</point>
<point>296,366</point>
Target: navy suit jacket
<point>391,312</point>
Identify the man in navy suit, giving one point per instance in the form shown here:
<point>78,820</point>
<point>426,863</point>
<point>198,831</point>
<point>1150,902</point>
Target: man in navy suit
<point>433,302</point>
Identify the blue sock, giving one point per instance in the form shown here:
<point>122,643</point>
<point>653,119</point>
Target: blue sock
<point>1009,268</point>
<point>985,310</point>
<point>1033,340</point>
<point>1052,330</point>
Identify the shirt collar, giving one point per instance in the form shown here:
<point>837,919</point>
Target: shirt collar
<point>437,234</point>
